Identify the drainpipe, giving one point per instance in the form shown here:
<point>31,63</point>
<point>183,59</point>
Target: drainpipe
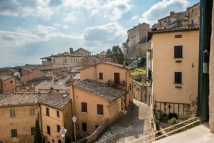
<point>204,44</point>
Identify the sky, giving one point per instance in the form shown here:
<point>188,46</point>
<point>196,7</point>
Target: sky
<point>32,29</point>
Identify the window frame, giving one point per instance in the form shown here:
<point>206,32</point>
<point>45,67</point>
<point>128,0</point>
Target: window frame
<point>100,110</point>
<point>49,130</point>
<point>32,111</point>
<point>116,78</point>
<point>176,55</point>
<point>13,132</point>
<point>84,128</point>
<point>47,112</point>
<point>176,80</point>
<point>100,76</point>
<point>32,130</point>
<point>58,128</point>
<point>57,114</point>
<point>84,107</point>
<point>12,113</point>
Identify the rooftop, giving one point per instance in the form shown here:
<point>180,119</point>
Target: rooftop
<point>5,77</point>
<point>173,29</point>
<point>81,49</point>
<point>54,100</point>
<point>18,99</point>
<point>100,89</point>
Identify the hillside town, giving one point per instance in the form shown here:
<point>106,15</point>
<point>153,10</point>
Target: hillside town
<point>77,96</point>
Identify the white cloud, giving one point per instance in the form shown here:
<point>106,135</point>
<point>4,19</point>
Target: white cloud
<point>65,27</point>
<point>105,35</point>
<point>162,9</point>
<point>70,17</point>
<point>56,25</point>
<point>87,4</point>
<point>39,8</point>
<point>134,17</point>
<point>94,12</point>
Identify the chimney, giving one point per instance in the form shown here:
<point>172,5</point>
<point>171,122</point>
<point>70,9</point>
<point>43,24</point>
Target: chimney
<point>51,54</point>
<point>71,51</point>
<point>172,13</point>
<point>124,64</point>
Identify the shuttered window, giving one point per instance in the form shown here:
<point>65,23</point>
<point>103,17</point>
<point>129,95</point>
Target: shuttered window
<point>57,114</point>
<point>84,107</point>
<point>14,133</point>
<point>32,111</point>
<point>32,130</point>
<point>12,113</point>
<point>58,128</point>
<point>99,109</point>
<point>117,78</point>
<point>178,52</point>
<point>178,77</point>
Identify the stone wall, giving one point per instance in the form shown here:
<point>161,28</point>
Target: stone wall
<point>9,85</point>
<point>98,131</point>
<point>30,75</point>
<point>139,91</point>
<point>211,72</point>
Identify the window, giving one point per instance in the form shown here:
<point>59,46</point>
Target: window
<point>160,23</point>
<point>59,141</point>
<point>53,60</point>
<point>130,86</point>
<point>48,130</point>
<point>14,133</point>
<point>178,77</point>
<point>58,128</point>
<point>12,113</point>
<point>117,78</point>
<point>32,111</point>
<point>47,111</point>
<point>99,109</point>
<point>192,21</point>
<point>96,126</point>
<point>32,130</point>
<point>178,52</point>
<point>192,10</point>
<point>84,107</point>
<point>84,127</point>
<point>178,36</point>
<point>165,20</point>
<point>57,114</point>
<point>150,74</point>
<point>11,81</point>
<point>101,76</point>
<point>65,60</point>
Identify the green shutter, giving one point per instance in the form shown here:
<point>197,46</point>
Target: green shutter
<point>32,130</point>
<point>12,113</point>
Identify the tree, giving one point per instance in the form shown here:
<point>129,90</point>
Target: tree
<point>38,138</point>
<point>116,54</point>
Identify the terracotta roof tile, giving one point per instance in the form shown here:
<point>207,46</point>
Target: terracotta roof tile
<point>100,89</point>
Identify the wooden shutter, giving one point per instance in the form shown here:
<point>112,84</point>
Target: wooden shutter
<point>117,78</point>
<point>178,77</point>
<point>99,109</point>
<point>84,107</point>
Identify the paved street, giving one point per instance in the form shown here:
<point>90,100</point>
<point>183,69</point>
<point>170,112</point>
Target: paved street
<point>132,125</point>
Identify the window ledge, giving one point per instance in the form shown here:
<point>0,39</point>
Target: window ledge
<point>99,115</point>
<point>85,112</point>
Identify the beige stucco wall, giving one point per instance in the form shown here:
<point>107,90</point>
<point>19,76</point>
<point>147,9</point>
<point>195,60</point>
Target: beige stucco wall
<point>164,66</point>
<point>52,120</point>
<point>23,121</point>
<point>71,61</point>
<point>110,110</point>
<point>211,73</point>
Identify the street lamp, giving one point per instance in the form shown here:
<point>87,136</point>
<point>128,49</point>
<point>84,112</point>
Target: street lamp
<point>63,132</point>
<point>25,133</point>
<point>74,120</point>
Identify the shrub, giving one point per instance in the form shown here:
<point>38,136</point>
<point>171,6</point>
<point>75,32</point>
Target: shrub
<point>173,121</point>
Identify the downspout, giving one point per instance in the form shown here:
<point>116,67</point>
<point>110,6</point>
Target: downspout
<point>204,43</point>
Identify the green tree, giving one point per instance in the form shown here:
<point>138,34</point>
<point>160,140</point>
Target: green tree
<point>38,138</point>
<point>116,54</point>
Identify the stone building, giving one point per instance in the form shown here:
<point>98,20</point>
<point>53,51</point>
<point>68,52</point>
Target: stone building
<point>89,60</point>
<point>188,17</point>
<point>136,35</point>
<point>173,70</point>
<point>104,91</point>
<point>18,116</point>
<point>66,59</point>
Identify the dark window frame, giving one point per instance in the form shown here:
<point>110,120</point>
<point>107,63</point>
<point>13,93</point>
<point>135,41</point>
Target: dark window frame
<point>84,127</point>
<point>48,130</point>
<point>178,77</point>
<point>12,113</point>
<point>100,109</point>
<point>178,51</point>
<point>83,106</point>
<point>100,76</point>
<point>117,78</point>
<point>57,114</point>
<point>13,132</point>
<point>58,128</point>
<point>32,130</point>
<point>47,112</point>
